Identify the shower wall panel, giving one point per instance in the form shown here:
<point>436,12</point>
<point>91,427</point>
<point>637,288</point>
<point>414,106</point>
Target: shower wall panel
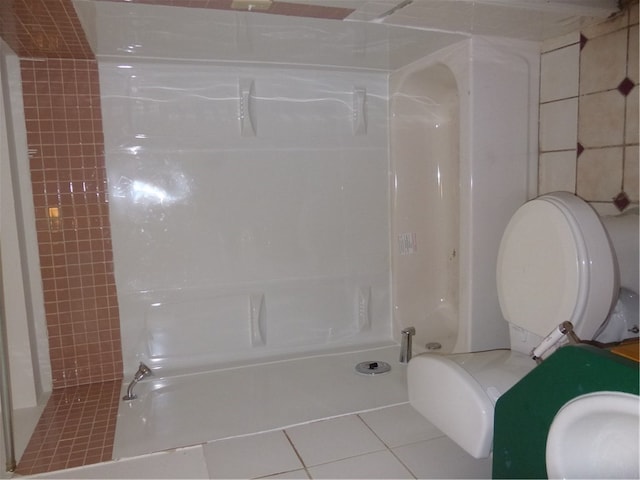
<point>249,210</point>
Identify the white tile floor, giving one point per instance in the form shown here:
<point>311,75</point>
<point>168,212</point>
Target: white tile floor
<point>392,442</point>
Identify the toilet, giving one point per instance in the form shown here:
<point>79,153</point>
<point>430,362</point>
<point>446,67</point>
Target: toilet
<point>558,261</point>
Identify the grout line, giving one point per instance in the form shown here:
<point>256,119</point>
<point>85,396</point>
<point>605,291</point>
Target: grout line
<point>304,465</point>
<point>389,448</point>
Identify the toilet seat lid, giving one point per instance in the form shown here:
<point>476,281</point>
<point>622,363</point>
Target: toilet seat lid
<point>555,264</point>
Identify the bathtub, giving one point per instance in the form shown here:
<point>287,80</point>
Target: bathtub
<point>197,408</point>
<point>284,346</point>
<point>230,250</point>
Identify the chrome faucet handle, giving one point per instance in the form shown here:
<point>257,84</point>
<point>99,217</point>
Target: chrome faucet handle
<point>405,347</point>
<point>143,371</point>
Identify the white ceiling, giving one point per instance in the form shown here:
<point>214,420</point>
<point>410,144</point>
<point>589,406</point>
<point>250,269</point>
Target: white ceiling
<point>370,38</point>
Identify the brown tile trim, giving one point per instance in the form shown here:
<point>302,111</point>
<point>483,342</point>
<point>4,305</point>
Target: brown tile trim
<point>77,427</point>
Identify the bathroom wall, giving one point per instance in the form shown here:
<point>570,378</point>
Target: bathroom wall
<point>589,112</point>
<point>249,209</point>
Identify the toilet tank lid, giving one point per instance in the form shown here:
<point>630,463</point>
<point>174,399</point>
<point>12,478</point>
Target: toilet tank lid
<point>554,256</point>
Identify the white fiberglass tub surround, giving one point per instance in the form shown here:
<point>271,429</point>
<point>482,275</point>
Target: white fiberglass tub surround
<point>236,246</point>
<point>463,126</point>
<point>251,211</point>
<point>249,201</point>
<point>425,141</point>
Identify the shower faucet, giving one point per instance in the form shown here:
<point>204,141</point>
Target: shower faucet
<point>405,347</point>
<point>143,371</point>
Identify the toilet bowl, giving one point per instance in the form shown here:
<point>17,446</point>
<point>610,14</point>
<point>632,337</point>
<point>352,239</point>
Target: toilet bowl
<point>556,263</point>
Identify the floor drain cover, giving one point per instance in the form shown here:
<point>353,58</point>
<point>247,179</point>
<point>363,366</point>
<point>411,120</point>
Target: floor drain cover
<point>372,368</point>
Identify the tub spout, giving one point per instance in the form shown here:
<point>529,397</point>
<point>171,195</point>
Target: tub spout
<point>143,371</point>
<point>405,347</point>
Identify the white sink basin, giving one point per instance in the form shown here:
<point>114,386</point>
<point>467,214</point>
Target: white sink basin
<point>595,436</point>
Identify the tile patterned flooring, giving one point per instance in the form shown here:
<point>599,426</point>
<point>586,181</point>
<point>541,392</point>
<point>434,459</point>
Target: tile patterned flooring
<point>77,427</point>
<point>391,442</point>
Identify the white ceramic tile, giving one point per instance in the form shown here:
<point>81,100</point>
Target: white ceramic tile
<point>559,73</point>
<point>182,463</point>
<point>442,458</point>
<point>603,62</point>
<point>372,465</point>
<point>557,171</point>
<point>599,174</point>
<point>333,439</point>
<point>295,474</point>
<point>251,456</point>
<point>632,67</point>
<point>631,179</point>
<point>558,122</point>
<point>601,119</point>
<point>400,425</point>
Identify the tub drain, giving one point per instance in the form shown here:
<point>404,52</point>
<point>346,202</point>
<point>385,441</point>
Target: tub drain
<point>372,368</point>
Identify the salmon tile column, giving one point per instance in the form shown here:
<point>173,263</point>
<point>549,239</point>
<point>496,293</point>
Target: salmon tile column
<point>66,155</point>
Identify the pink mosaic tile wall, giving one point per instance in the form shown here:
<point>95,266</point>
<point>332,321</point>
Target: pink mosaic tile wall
<point>66,156</point>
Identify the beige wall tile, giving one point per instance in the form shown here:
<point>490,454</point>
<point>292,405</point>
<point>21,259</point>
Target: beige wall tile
<point>607,125</point>
<point>633,14</point>
<point>631,124</point>
<point>632,67</point>
<point>599,174</point>
<point>601,119</point>
<point>603,62</point>
<point>559,42</point>
<point>557,172</point>
<point>558,125</point>
<point>559,73</point>
<point>621,21</point>
<point>631,181</point>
